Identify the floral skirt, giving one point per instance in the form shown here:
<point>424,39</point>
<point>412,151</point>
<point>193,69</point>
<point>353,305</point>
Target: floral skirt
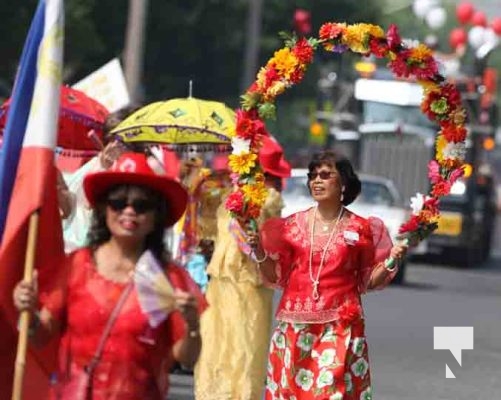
<point>318,361</point>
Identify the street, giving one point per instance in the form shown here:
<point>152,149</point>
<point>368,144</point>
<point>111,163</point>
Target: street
<point>400,323</point>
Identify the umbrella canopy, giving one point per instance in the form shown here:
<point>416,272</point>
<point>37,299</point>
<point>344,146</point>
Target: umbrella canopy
<point>180,122</point>
<point>78,115</point>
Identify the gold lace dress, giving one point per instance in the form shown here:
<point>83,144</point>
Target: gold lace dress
<point>236,327</point>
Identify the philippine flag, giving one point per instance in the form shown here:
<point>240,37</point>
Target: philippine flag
<point>27,155</point>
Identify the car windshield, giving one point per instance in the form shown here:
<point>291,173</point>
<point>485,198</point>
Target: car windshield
<point>375,112</point>
<point>296,186</point>
<point>375,193</point>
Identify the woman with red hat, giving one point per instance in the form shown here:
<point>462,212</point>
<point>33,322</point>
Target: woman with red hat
<point>236,327</point>
<point>123,311</point>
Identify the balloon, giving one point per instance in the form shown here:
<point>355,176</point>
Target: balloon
<point>496,25</point>
<point>464,12</point>
<point>435,18</point>
<point>457,37</point>
<point>479,19</point>
<point>421,7</point>
<point>476,36</point>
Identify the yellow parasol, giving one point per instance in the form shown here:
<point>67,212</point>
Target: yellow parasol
<point>181,122</point>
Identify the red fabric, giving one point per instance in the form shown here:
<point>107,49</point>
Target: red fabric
<point>349,261</point>
<point>136,358</point>
<point>319,362</point>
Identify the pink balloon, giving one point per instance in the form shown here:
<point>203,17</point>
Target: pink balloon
<point>457,37</point>
<point>496,25</point>
<point>479,19</point>
<point>464,12</point>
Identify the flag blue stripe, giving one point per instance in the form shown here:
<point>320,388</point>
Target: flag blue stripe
<point>18,112</point>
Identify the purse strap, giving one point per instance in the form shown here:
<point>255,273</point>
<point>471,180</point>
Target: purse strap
<point>107,329</point>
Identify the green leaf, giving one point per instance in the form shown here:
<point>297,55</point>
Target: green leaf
<point>267,111</point>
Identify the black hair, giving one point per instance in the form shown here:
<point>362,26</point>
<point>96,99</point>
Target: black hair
<point>99,232</point>
<point>115,118</point>
<point>349,178</point>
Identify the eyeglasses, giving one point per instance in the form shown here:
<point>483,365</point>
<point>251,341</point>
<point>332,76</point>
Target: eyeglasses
<point>140,206</point>
<point>324,175</point>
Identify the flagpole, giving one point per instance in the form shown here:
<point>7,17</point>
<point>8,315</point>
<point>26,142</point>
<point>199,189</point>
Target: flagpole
<point>25,317</point>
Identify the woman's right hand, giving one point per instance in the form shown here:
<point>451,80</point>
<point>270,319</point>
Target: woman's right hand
<point>26,295</point>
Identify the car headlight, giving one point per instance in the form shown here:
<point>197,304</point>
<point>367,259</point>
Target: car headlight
<point>458,188</point>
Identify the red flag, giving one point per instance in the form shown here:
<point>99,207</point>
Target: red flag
<point>34,190</point>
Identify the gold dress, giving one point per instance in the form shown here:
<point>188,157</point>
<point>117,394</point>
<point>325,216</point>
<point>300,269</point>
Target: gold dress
<point>236,327</point>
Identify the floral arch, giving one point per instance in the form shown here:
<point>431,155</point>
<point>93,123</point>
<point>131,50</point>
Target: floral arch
<point>441,103</point>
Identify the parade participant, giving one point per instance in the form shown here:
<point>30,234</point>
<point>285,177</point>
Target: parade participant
<point>114,345</point>
<point>236,328</point>
<point>324,258</point>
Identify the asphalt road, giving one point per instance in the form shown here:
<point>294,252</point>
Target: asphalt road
<point>400,323</point>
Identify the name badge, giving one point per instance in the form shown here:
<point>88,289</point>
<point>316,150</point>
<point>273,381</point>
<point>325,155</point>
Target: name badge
<point>351,237</point>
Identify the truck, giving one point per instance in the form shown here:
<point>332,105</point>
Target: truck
<point>395,140</point>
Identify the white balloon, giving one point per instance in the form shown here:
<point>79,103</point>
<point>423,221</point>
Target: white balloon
<point>476,36</point>
<point>421,7</point>
<point>436,17</point>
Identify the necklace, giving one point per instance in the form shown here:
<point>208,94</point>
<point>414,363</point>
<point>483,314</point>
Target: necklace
<point>316,281</point>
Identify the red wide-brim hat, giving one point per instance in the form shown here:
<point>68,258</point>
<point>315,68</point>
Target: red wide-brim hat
<point>133,169</point>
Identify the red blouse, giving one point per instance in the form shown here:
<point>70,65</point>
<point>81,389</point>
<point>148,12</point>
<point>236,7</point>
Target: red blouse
<point>356,248</point>
<point>136,358</point>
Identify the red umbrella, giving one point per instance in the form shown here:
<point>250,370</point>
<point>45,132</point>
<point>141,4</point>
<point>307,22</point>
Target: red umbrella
<point>78,115</point>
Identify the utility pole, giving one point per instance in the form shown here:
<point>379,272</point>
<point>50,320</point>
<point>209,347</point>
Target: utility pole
<point>252,43</point>
<point>134,47</point>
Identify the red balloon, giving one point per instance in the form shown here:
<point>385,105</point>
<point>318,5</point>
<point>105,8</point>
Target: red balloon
<point>302,21</point>
<point>496,25</point>
<point>464,12</point>
<point>457,37</point>
<point>479,19</point>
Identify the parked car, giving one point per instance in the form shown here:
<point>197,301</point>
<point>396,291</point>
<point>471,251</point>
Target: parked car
<point>378,197</point>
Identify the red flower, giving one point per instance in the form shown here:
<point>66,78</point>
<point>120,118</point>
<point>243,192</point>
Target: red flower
<point>431,204</point>
<point>451,93</point>
<point>456,174</point>
<point>442,188</point>
<point>235,202</point>
<point>399,64</point>
<point>393,37</point>
<point>253,88</point>
<point>434,171</point>
<point>249,125</point>
<point>425,69</point>
<point>411,225</point>
<point>378,47</point>
<point>297,76</point>
<point>453,133</point>
<point>253,210</point>
<point>303,51</point>
<point>349,312</point>
<point>330,31</point>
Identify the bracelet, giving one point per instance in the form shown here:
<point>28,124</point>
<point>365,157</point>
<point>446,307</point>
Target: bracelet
<point>261,260</point>
<point>194,333</point>
<point>390,264</point>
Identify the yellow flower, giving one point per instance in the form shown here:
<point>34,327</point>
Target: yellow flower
<point>356,36</point>
<point>274,90</point>
<point>440,146</point>
<point>256,193</point>
<point>259,177</point>
<point>242,163</point>
<point>420,53</point>
<point>375,30</point>
<point>285,62</point>
<point>261,78</point>
<point>429,86</point>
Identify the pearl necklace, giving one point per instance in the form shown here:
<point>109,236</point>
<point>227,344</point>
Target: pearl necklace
<point>316,281</point>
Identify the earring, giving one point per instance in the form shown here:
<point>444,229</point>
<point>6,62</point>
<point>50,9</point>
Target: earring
<point>341,198</point>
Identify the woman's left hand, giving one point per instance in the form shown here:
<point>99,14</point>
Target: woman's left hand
<point>187,304</point>
<point>398,252</point>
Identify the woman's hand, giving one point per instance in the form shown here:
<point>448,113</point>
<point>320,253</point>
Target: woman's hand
<point>187,304</point>
<point>25,295</point>
<point>398,252</point>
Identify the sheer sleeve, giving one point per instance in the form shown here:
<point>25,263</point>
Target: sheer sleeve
<point>375,254</point>
<point>279,249</point>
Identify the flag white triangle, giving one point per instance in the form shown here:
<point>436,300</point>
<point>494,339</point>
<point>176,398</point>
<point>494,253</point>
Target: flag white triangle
<point>448,372</point>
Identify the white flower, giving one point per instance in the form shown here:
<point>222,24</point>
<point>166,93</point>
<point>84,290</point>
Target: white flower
<point>287,358</point>
<point>304,379</point>
<point>366,394</point>
<point>348,382</point>
<point>328,335</point>
<point>240,145</point>
<point>358,346</point>
<point>298,327</point>
<point>305,341</point>
<point>336,396</point>
<point>282,326</point>
<point>326,359</point>
<point>325,378</point>
<point>454,150</point>
<point>280,341</point>
<point>283,379</point>
<point>271,385</point>
<point>417,203</point>
<point>359,367</point>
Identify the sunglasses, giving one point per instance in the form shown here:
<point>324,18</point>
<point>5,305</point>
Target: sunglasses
<point>324,175</point>
<point>140,206</point>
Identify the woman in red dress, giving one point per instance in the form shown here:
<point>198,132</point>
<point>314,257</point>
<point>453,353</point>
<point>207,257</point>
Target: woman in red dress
<point>324,258</point>
<point>132,206</point>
